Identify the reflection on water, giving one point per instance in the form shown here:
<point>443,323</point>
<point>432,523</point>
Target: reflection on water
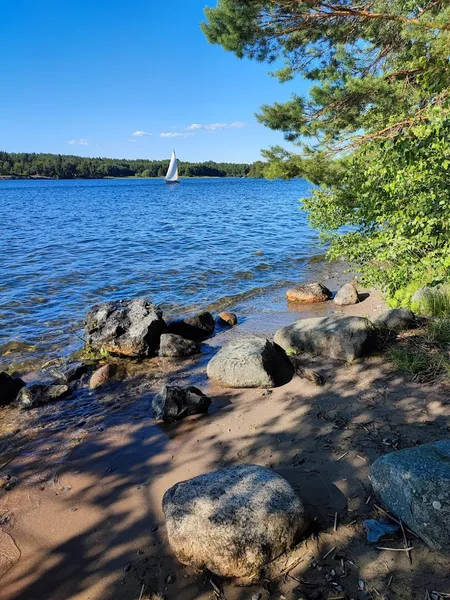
<point>66,245</point>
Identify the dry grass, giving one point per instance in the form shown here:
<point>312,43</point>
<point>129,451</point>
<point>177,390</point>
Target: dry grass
<point>425,355</point>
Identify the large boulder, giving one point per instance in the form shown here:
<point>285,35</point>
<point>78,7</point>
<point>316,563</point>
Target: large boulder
<point>397,319</point>
<point>346,295</point>
<point>197,328</point>
<point>344,338</point>
<point>125,327</point>
<point>309,293</point>
<point>9,388</point>
<point>234,520</point>
<point>415,485</point>
<point>250,362</point>
<point>37,394</point>
<point>175,346</point>
<point>173,403</point>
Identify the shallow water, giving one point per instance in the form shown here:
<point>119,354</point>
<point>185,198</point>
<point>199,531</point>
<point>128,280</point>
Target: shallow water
<point>67,245</point>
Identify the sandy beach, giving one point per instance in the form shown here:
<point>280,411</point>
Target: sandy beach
<point>84,521</point>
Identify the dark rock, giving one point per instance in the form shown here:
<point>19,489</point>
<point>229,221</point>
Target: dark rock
<point>227,318</point>
<point>234,520</point>
<point>309,293</point>
<point>101,376</point>
<point>35,395</point>
<point>125,327</point>
<point>173,403</point>
<point>172,345</point>
<point>65,371</point>
<point>197,328</point>
<point>397,319</point>
<point>415,485</point>
<point>344,338</point>
<point>304,372</point>
<point>250,362</point>
<point>9,388</point>
<point>346,295</point>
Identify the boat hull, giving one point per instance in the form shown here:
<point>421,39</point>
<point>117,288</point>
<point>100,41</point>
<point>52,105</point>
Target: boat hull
<point>171,182</point>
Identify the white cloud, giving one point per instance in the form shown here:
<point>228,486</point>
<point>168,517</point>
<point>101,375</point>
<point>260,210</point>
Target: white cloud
<point>215,126</point>
<point>81,142</point>
<point>131,140</point>
<point>139,133</point>
<point>173,134</point>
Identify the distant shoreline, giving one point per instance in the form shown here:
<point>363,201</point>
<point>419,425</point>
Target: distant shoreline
<point>137,177</point>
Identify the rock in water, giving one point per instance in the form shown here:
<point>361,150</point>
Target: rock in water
<point>172,345</point>
<point>250,362</point>
<point>35,395</point>
<point>397,319</point>
<point>125,327</point>
<point>344,338</point>
<point>101,376</point>
<point>65,371</point>
<point>309,293</point>
<point>234,520</point>
<point>346,295</point>
<point>9,388</point>
<point>227,318</point>
<point>415,486</point>
<point>197,328</point>
<point>173,403</point>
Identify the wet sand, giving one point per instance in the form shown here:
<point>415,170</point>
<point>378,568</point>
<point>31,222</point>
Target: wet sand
<point>84,519</point>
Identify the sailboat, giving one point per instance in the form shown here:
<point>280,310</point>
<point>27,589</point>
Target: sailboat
<point>172,171</point>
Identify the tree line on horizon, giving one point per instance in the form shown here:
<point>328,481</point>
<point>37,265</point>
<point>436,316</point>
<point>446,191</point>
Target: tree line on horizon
<point>61,166</point>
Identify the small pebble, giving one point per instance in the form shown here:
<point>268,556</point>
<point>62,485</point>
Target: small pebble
<point>256,596</point>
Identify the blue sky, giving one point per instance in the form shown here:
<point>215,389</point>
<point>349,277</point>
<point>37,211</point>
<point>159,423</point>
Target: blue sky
<point>82,76</point>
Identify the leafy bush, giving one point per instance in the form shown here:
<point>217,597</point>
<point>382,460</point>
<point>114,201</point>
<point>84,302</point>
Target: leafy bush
<point>395,198</point>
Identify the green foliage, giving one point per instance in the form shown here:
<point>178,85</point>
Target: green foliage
<point>373,131</point>
<point>57,166</point>
<point>394,202</point>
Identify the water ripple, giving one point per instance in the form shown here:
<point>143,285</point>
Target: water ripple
<point>66,245</point>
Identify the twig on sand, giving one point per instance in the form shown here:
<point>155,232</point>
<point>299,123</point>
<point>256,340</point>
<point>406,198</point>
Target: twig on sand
<point>335,521</point>
<point>361,457</point>
<point>405,541</point>
<point>385,512</point>
<point>396,549</point>
<point>216,589</point>
<point>142,592</point>
<point>442,594</point>
<point>328,553</point>
<point>342,456</point>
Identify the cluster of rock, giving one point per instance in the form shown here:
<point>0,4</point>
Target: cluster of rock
<point>312,293</point>
<point>122,328</point>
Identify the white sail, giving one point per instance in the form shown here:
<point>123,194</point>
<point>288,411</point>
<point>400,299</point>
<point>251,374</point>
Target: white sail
<point>172,171</point>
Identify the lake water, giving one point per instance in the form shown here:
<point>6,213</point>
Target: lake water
<point>66,245</point>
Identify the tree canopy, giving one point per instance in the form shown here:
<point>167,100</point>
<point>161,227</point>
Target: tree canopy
<point>372,130</point>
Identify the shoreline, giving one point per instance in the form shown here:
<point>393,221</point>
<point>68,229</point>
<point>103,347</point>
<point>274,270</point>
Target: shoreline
<point>101,464</point>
